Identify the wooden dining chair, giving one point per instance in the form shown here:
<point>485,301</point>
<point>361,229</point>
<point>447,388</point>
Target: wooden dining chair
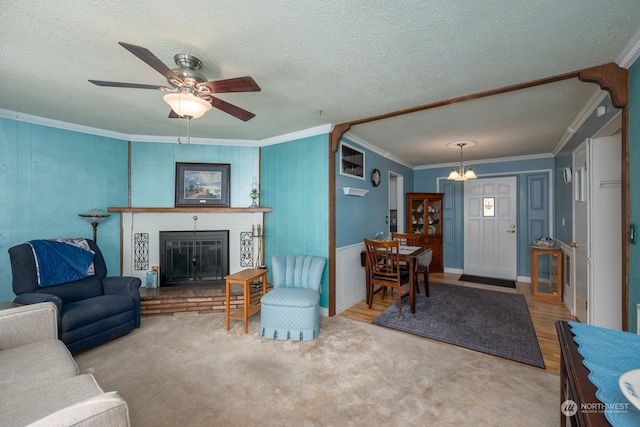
<point>413,239</point>
<point>410,239</point>
<point>422,266</point>
<point>383,268</point>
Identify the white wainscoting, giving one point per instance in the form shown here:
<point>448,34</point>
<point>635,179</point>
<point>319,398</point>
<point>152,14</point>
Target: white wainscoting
<point>350,277</point>
<point>154,222</point>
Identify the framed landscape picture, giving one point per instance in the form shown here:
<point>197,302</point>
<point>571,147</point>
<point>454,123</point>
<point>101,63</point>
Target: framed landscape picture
<point>202,184</point>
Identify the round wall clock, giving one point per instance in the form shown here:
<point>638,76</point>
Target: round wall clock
<point>375,177</point>
<point>566,175</point>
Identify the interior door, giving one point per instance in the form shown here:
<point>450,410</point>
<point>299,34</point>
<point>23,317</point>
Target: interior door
<point>580,232</point>
<point>490,232</point>
<point>605,238</point>
<point>597,241</point>
<point>396,202</point>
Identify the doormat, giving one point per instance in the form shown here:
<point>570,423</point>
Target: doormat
<point>492,322</point>
<point>488,281</point>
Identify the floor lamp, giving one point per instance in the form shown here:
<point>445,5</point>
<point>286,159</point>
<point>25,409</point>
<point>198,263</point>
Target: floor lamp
<point>94,217</point>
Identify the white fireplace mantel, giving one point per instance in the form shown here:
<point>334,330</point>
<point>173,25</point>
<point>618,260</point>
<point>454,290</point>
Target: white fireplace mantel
<point>153,220</point>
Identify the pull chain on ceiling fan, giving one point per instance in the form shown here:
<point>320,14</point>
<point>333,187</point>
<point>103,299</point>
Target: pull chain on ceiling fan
<point>190,95</point>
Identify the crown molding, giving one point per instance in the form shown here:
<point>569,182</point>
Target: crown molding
<point>631,51</point>
<point>43,121</point>
<point>585,112</point>
<point>58,124</point>
<point>306,133</point>
<point>193,140</point>
<point>386,155</point>
<point>484,161</point>
<point>382,153</point>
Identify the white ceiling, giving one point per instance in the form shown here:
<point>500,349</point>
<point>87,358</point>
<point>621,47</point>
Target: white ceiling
<point>321,62</point>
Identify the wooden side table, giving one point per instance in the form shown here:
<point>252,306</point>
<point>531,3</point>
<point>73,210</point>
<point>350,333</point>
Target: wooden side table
<point>244,278</point>
<point>546,272</point>
<point>8,304</point>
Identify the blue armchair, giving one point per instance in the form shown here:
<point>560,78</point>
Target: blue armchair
<point>91,310</point>
<point>291,310</point>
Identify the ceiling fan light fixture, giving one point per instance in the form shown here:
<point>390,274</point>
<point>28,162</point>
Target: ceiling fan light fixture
<point>187,105</point>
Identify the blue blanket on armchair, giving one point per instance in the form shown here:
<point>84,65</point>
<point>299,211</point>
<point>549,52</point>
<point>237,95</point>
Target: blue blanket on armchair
<point>61,261</point>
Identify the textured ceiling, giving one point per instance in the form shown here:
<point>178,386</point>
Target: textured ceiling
<point>320,62</point>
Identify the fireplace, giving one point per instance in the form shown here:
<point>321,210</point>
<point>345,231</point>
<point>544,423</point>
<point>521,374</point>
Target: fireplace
<point>194,257</point>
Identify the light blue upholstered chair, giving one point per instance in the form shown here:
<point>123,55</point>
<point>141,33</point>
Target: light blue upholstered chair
<point>291,310</point>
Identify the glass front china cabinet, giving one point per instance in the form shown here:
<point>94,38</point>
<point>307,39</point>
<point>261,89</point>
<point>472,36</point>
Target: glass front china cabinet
<point>424,217</point>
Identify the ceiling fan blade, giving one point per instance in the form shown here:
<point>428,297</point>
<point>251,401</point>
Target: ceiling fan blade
<point>129,85</point>
<point>152,60</point>
<point>231,109</point>
<point>238,84</point>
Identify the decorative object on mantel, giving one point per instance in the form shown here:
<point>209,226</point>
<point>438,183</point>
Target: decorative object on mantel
<point>254,192</point>
<point>351,191</point>
<point>202,184</point>
<point>460,174</point>
<point>94,217</point>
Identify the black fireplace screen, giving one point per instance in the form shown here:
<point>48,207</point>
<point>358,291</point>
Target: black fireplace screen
<point>193,257</point>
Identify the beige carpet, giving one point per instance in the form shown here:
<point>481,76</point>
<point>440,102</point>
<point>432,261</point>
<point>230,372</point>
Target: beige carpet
<point>189,371</point>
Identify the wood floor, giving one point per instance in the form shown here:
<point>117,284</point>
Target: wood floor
<point>543,312</point>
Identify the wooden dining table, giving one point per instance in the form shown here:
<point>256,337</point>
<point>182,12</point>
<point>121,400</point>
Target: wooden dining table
<point>408,254</point>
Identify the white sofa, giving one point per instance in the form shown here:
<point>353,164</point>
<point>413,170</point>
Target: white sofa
<point>40,384</point>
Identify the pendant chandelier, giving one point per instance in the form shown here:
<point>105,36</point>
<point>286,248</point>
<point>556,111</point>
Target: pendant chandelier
<point>458,172</point>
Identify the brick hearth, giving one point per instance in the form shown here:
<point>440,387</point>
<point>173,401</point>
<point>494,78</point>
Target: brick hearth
<point>198,299</point>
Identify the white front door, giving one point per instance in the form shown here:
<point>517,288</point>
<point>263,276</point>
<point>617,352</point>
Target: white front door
<point>580,232</point>
<point>490,227</point>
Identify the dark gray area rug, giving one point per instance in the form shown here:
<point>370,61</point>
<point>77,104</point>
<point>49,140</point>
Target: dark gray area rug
<point>493,322</point>
<point>488,281</point>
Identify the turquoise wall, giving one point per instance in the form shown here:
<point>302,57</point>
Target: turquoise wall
<point>634,190</point>
<point>153,167</point>
<point>295,177</point>
<point>47,177</point>
<point>533,204</point>
<point>360,217</point>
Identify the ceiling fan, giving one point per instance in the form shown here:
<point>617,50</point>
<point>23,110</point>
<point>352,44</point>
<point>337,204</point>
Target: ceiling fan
<point>190,92</point>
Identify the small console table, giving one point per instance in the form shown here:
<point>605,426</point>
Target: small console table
<point>546,272</point>
<point>8,304</point>
<point>244,278</point>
